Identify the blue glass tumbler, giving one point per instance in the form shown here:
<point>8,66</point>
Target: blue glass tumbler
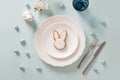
<point>80,5</point>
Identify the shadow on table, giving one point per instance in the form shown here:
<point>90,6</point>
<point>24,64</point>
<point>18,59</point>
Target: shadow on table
<point>89,18</point>
<point>47,13</point>
<point>92,20</point>
<point>66,69</point>
<point>33,25</point>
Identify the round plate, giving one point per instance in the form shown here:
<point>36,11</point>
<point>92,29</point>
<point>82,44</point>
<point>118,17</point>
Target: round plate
<point>71,43</point>
<point>40,46</point>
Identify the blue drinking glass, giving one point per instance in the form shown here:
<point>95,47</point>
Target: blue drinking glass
<point>80,5</point>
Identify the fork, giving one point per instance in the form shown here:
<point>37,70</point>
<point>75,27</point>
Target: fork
<point>91,48</point>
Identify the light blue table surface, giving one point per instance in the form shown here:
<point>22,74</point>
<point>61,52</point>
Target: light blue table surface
<point>11,15</point>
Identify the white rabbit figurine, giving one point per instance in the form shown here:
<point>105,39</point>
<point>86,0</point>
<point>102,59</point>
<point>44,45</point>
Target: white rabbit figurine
<point>59,39</point>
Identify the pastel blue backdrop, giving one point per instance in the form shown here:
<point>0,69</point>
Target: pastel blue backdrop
<point>11,15</point>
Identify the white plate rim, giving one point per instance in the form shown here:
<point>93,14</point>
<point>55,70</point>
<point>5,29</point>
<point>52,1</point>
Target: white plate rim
<point>55,62</point>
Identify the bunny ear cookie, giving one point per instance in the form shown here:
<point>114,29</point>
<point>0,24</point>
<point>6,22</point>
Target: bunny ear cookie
<point>59,40</point>
<point>64,35</point>
<point>56,35</point>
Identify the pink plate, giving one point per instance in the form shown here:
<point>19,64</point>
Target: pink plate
<point>43,41</point>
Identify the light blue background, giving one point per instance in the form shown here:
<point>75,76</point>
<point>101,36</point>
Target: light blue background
<point>10,15</point>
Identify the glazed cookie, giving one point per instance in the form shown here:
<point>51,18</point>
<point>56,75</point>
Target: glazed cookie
<point>59,39</point>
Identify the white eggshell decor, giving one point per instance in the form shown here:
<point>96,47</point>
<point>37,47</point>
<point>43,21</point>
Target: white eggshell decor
<point>27,16</point>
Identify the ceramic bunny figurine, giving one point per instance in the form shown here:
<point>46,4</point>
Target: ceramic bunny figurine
<point>59,39</point>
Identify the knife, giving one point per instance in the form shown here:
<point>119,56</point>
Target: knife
<point>95,55</point>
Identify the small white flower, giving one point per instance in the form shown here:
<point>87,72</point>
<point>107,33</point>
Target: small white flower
<point>40,6</point>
